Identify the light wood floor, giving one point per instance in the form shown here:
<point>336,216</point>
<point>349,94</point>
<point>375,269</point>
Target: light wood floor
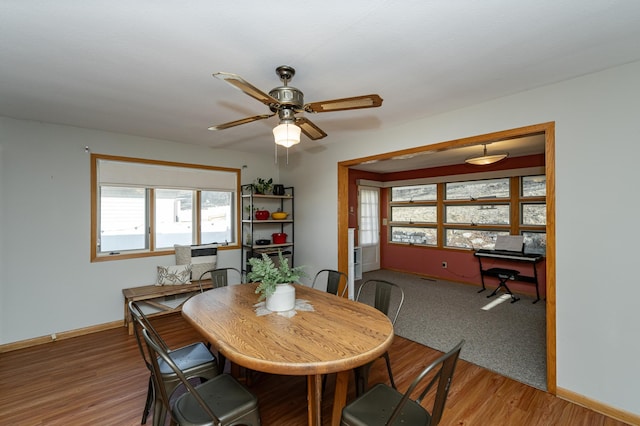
<point>99,379</point>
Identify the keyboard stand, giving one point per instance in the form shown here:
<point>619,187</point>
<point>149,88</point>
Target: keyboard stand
<point>503,275</point>
<point>517,257</point>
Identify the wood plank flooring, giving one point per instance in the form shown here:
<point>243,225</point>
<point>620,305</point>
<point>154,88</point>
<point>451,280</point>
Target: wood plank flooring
<point>99,379</point>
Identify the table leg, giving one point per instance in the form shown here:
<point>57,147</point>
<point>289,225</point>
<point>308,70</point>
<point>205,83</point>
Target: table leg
<point>340,396</point>
<point>314,399</point>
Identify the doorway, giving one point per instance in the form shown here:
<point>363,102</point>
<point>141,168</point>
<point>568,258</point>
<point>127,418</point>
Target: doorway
<point>369,227</point>
<point>548,130</point>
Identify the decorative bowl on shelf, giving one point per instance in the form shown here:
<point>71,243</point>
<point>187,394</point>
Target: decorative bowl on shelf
<point>263,242</point>
<point>262,214</point>
<point>279,215</point>
<point>279,238</point>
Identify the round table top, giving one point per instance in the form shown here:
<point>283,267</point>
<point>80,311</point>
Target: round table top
<point>338,335</point>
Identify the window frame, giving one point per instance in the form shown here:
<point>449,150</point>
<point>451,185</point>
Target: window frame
<point>150,250</point>
<point>515,200</point>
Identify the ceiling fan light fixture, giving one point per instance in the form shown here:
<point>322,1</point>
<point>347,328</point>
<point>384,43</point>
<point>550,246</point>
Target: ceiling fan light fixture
<point>286,134</point>
<point>485,159</point>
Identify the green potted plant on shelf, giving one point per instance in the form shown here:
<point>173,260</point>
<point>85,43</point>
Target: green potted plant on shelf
<point>262,186</point>
<point>275,281</point>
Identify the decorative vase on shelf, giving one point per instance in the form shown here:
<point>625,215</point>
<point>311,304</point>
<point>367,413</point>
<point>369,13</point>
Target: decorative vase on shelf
<point>282,299</point>
<point>262,214</point>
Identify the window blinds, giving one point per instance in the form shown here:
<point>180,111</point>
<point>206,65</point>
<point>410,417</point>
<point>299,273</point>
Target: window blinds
<point>130,173</point>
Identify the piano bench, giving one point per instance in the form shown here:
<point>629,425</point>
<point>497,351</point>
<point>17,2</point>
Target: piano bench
<point>503,275</point>
<point>507,274</point>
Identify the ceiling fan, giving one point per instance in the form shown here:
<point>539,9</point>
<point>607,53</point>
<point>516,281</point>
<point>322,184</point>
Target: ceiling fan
<point>286,101</point>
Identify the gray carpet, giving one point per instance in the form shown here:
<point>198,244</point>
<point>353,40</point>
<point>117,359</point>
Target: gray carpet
<point>509,339</point>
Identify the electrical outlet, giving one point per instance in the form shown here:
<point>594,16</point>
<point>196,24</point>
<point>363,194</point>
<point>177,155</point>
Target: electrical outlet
<point>53,336</point>
<point>444,265</point>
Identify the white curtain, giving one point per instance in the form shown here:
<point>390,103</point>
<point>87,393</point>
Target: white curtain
<point>369,216</point>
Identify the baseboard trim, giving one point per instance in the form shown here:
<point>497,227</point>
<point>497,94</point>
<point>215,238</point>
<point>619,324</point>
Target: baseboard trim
<point>59,336</point>
<point>615,413</point>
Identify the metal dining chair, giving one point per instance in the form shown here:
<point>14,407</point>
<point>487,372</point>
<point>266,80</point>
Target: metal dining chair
<point>195,361</point>
<point>388,298</point>
<point>221,277</point>
<point>383,405</point>
<point>333,279</point>
<point>220,401</point>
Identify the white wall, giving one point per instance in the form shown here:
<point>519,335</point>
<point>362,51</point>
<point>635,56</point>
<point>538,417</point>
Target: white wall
<point>47,283</point>
<point>597,146</point>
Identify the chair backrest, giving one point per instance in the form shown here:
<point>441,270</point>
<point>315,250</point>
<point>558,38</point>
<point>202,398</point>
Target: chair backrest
<point>141,322</point>
<point>439,371</point>
<point>386,295</point>
<point>333,279</point>
<point>220,277</point>
<point>157,351</point>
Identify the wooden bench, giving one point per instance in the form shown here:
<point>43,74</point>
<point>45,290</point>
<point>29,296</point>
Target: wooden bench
<point>154,295</point>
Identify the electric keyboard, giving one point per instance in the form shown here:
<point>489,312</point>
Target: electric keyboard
<point>507,254</point>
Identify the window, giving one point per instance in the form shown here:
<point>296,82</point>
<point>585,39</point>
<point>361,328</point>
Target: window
<point>414,205</point>
<point>143,208</point>
<point>470,214</point>
<point>369,216</point>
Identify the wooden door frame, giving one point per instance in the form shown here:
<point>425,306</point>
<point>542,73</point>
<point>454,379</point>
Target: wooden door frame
<point>548,129</point>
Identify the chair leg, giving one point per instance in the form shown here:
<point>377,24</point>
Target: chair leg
<point>388,361</point>
<point>159,413</point>
<point>147,404</point>
<point>362,378</point>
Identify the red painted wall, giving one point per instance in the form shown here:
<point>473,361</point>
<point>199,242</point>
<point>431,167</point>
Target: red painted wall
<point>462,265</point>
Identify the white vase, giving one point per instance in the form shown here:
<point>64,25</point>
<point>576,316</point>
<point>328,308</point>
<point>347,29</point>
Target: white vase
<point>282,299</point>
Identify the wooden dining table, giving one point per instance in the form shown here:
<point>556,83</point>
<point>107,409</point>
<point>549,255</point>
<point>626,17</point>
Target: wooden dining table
<point>335,337</point>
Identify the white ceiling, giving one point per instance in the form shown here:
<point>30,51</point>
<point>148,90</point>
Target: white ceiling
<point>145,67</point>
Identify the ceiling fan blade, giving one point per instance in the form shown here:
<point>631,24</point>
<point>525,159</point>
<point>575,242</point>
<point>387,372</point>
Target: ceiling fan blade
<point>366,101</point>
<point>312,131</point>
<point>246,87</point>
<point>239,122</point>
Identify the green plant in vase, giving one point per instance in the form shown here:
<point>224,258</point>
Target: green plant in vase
<point>268,275</point>
<point>262,186</point>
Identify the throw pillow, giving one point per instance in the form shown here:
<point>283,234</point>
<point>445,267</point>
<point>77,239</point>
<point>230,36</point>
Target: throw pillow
<point>174,275</point>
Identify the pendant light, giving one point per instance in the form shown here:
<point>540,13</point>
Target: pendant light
<point>485,159</point>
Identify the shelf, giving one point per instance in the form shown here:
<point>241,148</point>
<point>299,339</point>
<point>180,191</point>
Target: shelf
<point>257,247</point>
<point>256,221</point>
<point>263,196</point>
<point>357,263</point>
<point>253,229</point>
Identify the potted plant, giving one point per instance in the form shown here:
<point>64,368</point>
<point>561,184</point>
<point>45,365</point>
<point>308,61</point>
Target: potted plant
<point>275,281</point>
<point>262,186</point>
<point>250,210</point>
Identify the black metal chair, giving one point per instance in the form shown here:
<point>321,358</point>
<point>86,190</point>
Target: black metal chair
<point>220,401</point>
<point>383,405</point>
<point>384,296</point>
<point>221,277</point>
<point>195,360</point>
<point>333,280</point>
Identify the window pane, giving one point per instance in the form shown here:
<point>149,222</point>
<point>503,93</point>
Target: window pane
<point>414,214</point>
<point>369,216</point>
<point>490,188</point>
<point>217,214</point>
<point>122,219</point>
<point>472,239</point>
<point>414,193</point>
<point>174,217</point>
<point>480,214</point>
<point>402,234</point>
<point>535,242</point>
<point>534,186</point>
<point>534,214</point>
